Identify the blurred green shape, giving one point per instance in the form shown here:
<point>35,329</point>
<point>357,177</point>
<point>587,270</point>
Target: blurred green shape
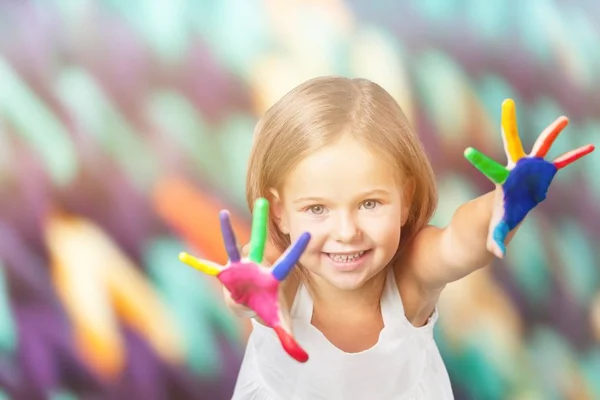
<point>74,13</point>
<point>527,259</point>
<point>8,332</point>
<point>63,395</point>
<point>180,123</point>
<point>238,32</point>
<point>3,395</point>
<point>590,368</point>
<point>166,26</point>
<point>198,308</point>
<point>439,11</point>
<point>219,152</point>
<point>490,21</point>
<point>492,90</point>
<point>235,135</point>
<point>234,30</point>
<point>476,373</point>
<point>38,125</point>
<point>436,72</point>
<point>551,359</point>
<point>97,116</point>
<point>455,189</point>
<point>539,26</point>
<point>355,55</point>
<point>590,165</point>
<point>584,38</point>
<point>485,365</point>
<point>578,267</point>
<point>163,24</point>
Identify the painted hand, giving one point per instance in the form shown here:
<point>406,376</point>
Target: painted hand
<point>251,283</point>
<point>525,180</point>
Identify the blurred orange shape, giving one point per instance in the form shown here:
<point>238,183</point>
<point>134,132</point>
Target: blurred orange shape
<point>99,285</point>
<point>195,216</point>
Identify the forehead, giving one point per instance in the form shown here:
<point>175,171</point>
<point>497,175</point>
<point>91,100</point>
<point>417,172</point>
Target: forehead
<point>345,167</point>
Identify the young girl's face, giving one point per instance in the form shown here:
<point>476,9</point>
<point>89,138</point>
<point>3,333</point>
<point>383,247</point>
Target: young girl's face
<point>352,204</point>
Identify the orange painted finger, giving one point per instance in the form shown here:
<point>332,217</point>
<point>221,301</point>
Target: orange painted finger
<point>548,136</point>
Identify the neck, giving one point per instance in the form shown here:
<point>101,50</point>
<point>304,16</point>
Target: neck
<point>366,297</point>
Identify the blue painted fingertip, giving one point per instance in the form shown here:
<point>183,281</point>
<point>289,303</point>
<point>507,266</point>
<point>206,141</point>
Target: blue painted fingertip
<point>289,260</point>
<point>500,233</point>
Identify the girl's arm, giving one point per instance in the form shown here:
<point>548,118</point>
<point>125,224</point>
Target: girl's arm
<point>482,227</point>
<point>438,256</point>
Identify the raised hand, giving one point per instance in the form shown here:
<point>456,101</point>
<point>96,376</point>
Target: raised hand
<point>249,282</point>
<point>525,179</point>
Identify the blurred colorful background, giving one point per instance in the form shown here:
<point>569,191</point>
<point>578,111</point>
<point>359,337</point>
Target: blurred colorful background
<point>126,126</point>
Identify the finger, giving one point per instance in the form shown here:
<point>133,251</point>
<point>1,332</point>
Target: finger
<point>258,236</point>
<point>498,215</point>
<point>271,254</point>
<point>548,136</point>
<point>572,156</point>
<point>510,132</point>
<point>495,172</point>
<point>231,246</point>
<point>208,267</point>
<point>290,345</point>
<point>499,235</point>
<point>290,258</point>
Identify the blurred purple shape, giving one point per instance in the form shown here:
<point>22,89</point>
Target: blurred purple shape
<point>213,89</point>
<point>142,377</point>
<point>27,273</point>
<point>46,357</point>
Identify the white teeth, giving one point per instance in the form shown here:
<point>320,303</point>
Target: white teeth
<point>345,257</point>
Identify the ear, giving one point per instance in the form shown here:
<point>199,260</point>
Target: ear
<point>277,211</point>
<point>408,193</point>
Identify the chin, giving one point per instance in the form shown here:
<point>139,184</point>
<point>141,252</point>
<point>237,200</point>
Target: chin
<point>347,283</point>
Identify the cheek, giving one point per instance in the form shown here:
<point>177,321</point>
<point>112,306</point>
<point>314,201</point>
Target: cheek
<point>388,234</point>
<point>317,229</point>
<point>385,232</point>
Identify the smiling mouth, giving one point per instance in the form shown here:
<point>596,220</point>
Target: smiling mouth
<point>346,258</point>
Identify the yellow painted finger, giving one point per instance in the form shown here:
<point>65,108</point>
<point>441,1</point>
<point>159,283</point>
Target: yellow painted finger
<point>510,132</point>
<point>207,267</point>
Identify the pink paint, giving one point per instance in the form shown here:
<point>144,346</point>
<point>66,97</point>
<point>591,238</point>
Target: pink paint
<point>290,345</point>
<point>254,288</point>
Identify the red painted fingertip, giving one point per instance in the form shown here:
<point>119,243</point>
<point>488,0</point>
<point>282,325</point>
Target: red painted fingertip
<point>290,345</point>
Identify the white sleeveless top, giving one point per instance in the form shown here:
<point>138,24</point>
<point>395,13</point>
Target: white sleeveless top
<point>404,364</point>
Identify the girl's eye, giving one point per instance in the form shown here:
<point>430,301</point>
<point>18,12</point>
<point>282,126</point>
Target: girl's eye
<point>316,210</point>
<point>370,204</point>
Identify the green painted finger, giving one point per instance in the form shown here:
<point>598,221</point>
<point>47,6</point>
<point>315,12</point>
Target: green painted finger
<point>495,172</point>
<point>258,237</point>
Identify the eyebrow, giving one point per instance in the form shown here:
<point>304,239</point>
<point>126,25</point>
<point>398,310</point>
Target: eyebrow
<point>374,192</point>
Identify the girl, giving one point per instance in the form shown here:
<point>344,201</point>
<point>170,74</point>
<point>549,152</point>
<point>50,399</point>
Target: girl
<point>336,158</point>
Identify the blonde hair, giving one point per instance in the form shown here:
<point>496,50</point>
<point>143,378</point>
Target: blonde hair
<point>316,114</point>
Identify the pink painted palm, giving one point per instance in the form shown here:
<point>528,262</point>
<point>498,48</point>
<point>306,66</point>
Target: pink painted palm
<point>252,284</point>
